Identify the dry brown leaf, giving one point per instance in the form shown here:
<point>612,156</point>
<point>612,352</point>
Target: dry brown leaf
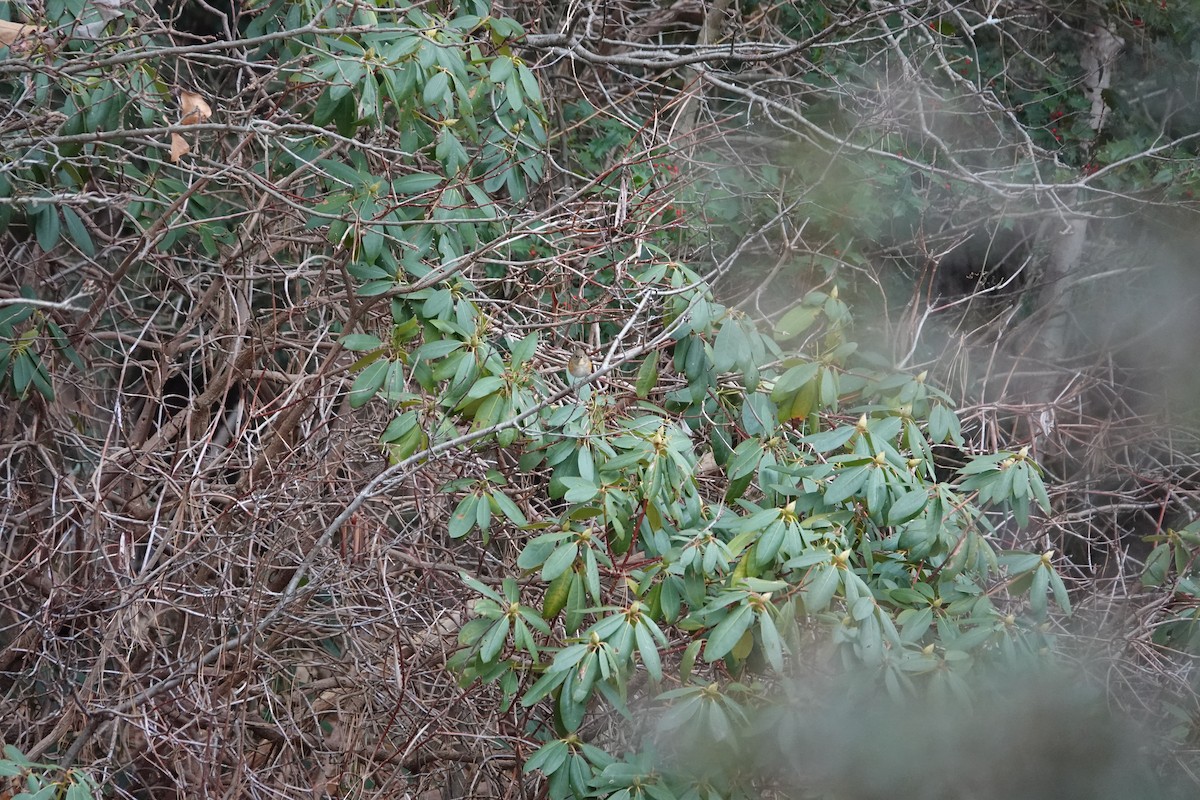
<point>179,148</point>
<point>11,31</point>
<point>195,108</point>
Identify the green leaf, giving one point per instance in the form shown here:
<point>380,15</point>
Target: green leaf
<point>847,484</point>
<point>796,322</point>
<point>822,582</point>
<point>745,459</point>
<point>464,517</point>
<point>492,410</point>
<point>512,93</point>
<point>557,593</point>
<point>579,490</point>
<point>63,343</point>
<point>1061,596</point>
<point>576,600</point>
<point>416,183</point>
<point>437,91</point>
<point>501,69</point>
<point>509,509</point>
<point>525,349</point>
<point>769,543</point>
<point>78,231</point>
<point>1037,591</point>
<point>944,425</point>
<point>809,558</point>
<point>793,379</point>
<point>368,383</point>
<point>571,710</point>
<point>361,342</point>
<point>47,227</point>
<point>862,608</point>
<point>688,661</point>
<point>407,444</point>
<point>41,379</point>
<point>647,376</point>
<point>13,315</point>
<point>529,83</point>
<point>548,758</point>
<point>23,367</point>
<point>539,549</point>
<point>368,101</point>
<point>493,641</point>
<point>909,506</point>
<point>682,713</point>
<point>439,348</point>
<point>489,384</point>
<point>980,465</point>
<point>79,791</point>
<point>1157,564</point>
<point>480,588</point>
<point>648,649</point>
<point>483,516</point>
<point>730,346</point>
<point>399,426</point>
<point>914,624</point>
<point>828,441</point>
<point>544,686</point>
<point>560,560</point>
<point>829,391</point>
<point>16,756</point>
<point>586,464</point>
<point>1038,487</point>
<point>727,633</point>
<point>772,645</point>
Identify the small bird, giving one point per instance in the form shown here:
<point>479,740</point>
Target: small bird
<point>579,365</point>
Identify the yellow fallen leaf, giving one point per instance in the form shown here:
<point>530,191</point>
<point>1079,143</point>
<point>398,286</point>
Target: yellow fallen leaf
<point>179,148</point>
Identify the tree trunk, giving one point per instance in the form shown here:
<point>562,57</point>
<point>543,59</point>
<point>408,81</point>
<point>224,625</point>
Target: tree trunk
<point>1070,232</point>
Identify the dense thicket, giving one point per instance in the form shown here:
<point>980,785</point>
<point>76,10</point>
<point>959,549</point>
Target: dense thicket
<point>886,312</point>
